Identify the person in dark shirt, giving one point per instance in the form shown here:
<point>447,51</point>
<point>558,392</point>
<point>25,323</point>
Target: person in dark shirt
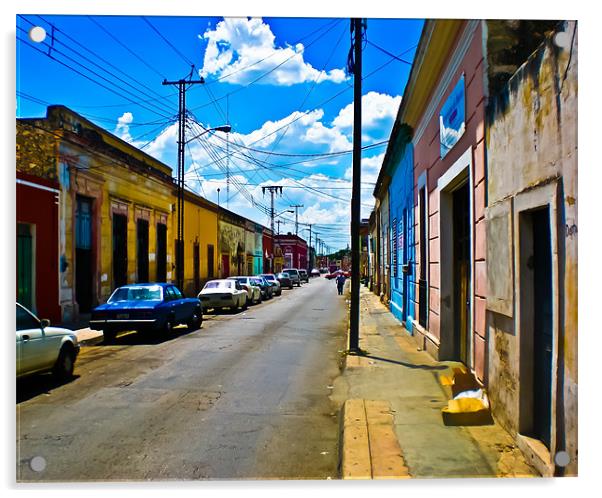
<point>340,283</point>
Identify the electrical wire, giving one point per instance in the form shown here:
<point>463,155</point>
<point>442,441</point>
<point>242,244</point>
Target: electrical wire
<point>112,90</point>
<point>182,56</point>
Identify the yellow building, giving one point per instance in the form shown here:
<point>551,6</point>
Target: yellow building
<point>200,236</point>
<point>117,219</point>
<point>115,207</point>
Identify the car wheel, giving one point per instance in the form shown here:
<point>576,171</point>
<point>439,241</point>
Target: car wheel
<point>108,336</point>
<point>245,305</point>
<point>195,320</point>
<point>168,327</point>
<point>299,284</point>
<point>63,368</point>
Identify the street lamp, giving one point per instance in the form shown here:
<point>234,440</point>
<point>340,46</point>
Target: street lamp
<point>223,128</point>
<point>180,196</point>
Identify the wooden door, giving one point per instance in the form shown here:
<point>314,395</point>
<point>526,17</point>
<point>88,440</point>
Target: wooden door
<point>461,247</point>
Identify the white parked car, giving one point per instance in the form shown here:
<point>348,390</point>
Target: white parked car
<point>42,348</point>
<point>223,293</point>
<point>253,290</point>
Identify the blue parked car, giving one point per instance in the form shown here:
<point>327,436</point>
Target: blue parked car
<point>146,307</point>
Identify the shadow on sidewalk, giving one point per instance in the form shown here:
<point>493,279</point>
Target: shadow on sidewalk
<point>408,365</point>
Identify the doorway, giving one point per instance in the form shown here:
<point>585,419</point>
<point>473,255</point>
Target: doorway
<point>461,272</point>
<point>161,252</point>
<point>225,266</point>
<point>422,277</point>
<point>536,324</point>
<point>25,265</point>
<point>83,254</point>
<point>210,258</point>
<point>142,249</point>
<point>196,266</point>
<point>120,250</point>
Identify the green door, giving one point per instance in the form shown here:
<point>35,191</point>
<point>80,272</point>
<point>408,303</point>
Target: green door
<point>24,265</point>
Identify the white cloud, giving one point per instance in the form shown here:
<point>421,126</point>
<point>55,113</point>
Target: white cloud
<point>122,130</point>
<point>378,115</point>
<point>306,133</point>
<point>244,49</point>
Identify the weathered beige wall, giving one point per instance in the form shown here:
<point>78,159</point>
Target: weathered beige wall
<point>532,141</point>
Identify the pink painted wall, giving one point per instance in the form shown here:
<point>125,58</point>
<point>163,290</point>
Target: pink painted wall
<point>427,158</point>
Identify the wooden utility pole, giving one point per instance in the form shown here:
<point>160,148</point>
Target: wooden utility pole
<point>182,87</point>
<point>297,206</point>
<point>358,25</point>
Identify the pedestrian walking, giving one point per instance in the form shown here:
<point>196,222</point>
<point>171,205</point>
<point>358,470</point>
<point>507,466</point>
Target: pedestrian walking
<point>340,283</point>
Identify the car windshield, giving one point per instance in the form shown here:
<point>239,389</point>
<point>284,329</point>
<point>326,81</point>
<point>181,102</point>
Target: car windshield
<point>269,277</point>
<point>283,275</point>
<point>257,281</point>
<point>291,271</point>
<point>138,293</point>
<point>216,284</point>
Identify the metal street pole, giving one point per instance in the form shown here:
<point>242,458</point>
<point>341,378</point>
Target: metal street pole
<point>273,189</point>
<point>309,265</point>
<point>354,317</point>
<point>297,206</point>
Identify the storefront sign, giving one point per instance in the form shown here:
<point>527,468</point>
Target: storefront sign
<point>452,118</point>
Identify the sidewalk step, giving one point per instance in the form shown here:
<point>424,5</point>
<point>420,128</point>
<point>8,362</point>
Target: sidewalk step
<point>370,449</point>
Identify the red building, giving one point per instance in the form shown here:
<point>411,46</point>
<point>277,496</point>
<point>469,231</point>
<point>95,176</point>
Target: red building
<point>38,246</point>
<point>293,249</point>
<point>268,251</point>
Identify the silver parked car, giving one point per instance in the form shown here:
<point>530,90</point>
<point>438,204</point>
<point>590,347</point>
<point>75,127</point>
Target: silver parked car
<point>294,274</point>
<point>253,290</point>
<point>223,293</point>
<point>271,278</point>
<point>42,348</point>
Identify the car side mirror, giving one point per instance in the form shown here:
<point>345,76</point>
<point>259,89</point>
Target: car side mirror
<point>44,323</point>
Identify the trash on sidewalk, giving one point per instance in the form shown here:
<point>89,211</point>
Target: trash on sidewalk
<point>470,407</point>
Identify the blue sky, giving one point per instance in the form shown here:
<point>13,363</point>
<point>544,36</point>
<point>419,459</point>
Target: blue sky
<point>280,82</point>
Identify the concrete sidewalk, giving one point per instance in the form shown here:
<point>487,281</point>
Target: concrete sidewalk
<point>88,337</point>
<point>85,335</point>
<point>391,422</point>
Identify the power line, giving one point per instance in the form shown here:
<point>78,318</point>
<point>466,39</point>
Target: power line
<point>260,77</point>
<point>390,54</point>
<point>183,57</point>
<point>138,103</point>
<point>119,42</point>
<point>272,54</point>
<point>135,80</point>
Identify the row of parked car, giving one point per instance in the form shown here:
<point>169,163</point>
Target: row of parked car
<point>153,307</point>
<point>160,307</point>
<point>239,292</point>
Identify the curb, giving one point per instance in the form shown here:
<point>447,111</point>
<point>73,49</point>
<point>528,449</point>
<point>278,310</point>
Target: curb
<point>90,340</point>
<point>368,445</point>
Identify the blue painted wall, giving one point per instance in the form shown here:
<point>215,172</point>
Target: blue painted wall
<point>401,220</point>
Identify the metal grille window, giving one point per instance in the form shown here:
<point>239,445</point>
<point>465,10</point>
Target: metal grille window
<point>83,224</point>
<point>394,252</point>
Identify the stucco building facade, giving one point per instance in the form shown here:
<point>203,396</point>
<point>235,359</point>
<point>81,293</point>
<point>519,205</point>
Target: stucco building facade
<point>531,307</point>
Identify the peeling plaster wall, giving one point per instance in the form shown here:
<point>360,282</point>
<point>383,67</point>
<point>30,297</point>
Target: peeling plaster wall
<point>532,142</point>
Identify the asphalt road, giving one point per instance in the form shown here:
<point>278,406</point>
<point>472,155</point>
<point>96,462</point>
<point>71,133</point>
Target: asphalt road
<point>244,397</point>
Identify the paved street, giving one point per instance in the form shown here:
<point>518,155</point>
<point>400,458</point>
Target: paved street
<point>247,396</point>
